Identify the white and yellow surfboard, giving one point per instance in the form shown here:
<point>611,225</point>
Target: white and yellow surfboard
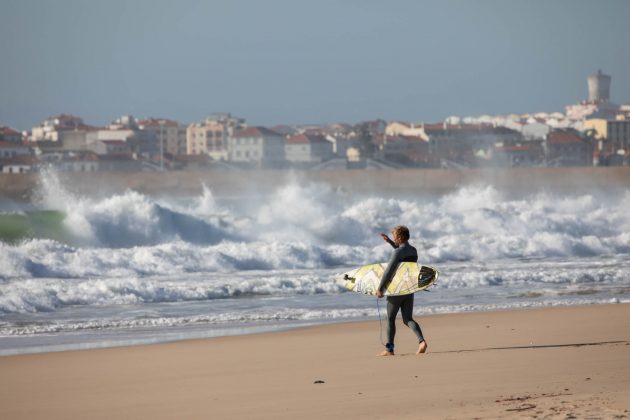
<point>410,277</point>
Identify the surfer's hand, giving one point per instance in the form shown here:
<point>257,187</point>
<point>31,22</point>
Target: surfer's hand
<point>385,237</point>
<point>379,294</point>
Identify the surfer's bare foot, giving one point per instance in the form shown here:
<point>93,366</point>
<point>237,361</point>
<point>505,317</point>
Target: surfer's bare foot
<point>422,347</point>
<point>386,353</point>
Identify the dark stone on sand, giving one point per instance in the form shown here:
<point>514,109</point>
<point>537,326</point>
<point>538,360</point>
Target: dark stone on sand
<point>319,381</point>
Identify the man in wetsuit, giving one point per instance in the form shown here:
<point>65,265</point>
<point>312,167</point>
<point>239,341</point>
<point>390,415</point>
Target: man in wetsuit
<point>403,252</point>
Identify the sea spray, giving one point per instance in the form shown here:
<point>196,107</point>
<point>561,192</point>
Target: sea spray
<point>311,226</point>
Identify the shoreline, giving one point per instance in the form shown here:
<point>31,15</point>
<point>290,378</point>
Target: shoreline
<point>124,339</point>
<point>569,361</point>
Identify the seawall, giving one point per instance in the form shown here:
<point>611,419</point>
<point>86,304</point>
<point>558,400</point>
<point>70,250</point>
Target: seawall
<point>23,186</point>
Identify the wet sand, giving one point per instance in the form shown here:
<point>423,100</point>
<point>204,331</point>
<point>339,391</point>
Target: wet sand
<point>571,362</point>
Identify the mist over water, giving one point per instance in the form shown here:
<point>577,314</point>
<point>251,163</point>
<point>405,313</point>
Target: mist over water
<point>131,262</point>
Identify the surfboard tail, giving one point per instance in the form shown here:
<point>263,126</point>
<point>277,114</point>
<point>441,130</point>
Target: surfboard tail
<point>427,276</point>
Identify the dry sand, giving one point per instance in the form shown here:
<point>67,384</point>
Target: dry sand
<point>546,363</point>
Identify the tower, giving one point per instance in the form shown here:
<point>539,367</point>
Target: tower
<point>599,87</point>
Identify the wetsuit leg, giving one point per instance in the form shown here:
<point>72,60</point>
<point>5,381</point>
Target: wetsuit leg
<point>407,316</point>
<point>393,306</point>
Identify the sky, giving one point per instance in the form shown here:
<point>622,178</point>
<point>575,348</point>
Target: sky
<point>296,61</point>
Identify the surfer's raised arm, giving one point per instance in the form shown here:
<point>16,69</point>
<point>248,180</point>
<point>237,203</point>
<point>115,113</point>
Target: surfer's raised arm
<point>389,241</point>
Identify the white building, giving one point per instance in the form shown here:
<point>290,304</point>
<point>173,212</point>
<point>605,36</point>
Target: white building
<point>211,136</point>
<point>51,129</point>
<point>258,145</point>
<point>308,148</point>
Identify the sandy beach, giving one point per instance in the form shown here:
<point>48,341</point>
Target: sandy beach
<point>569,362</point>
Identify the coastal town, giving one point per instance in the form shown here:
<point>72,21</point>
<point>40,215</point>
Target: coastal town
<point>593,132</point>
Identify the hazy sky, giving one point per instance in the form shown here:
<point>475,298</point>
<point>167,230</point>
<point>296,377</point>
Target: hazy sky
<point>294,61</point>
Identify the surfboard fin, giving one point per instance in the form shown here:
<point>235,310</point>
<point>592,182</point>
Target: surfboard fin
<point>347,277</point>
<point>426,276</point>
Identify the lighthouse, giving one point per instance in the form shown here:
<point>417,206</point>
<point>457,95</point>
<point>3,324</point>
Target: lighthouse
<point>599,87</point>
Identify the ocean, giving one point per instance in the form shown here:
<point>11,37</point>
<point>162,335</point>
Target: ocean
<point>126,269</point>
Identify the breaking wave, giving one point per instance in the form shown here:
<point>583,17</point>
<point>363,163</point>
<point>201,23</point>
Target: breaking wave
<point>311,226</point>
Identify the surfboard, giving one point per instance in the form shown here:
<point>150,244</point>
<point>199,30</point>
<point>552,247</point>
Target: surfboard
<point>410,278</point>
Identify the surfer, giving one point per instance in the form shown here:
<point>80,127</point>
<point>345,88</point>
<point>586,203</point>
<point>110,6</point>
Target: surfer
<point>403,252</point>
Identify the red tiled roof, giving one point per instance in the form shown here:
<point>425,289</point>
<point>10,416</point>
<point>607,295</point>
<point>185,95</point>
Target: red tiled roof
<point>563,137</point>
<point>11,145</point>
<point>305,139</point>
<point>257,132</point>
<point>8,131</point>
<point>298,139</point>
<point>65,117</point>
<point>66,126</point>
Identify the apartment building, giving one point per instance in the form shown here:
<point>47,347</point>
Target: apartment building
<point>168,134</point>
<point>308,148</point>
<point>211,136</point>
<point>259,146</point>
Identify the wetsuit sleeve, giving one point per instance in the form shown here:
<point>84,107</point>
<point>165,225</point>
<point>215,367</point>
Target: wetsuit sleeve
<point>392,243</point>
<point>390,270</point>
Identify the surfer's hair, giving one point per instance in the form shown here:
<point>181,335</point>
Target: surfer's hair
<point>402,232</point>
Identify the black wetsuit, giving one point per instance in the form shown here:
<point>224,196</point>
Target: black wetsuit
<point>402,253</point>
